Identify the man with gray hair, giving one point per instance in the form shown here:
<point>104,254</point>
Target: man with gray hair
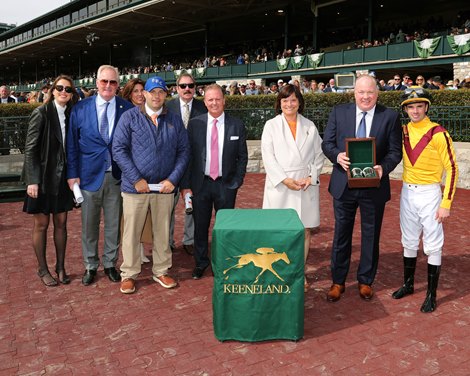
<point>5,95</point>
<point>91,166</point>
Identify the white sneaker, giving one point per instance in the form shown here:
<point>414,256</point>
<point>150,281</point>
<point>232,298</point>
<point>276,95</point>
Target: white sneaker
<point>143,258</point>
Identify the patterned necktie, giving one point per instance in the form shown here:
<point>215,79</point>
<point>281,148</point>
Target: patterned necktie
<point>154,119</point>
<point>361,130</point>
<point>214,166</point>
<point>104,131</point>
<point>186,115</point>
<point>104,124</point>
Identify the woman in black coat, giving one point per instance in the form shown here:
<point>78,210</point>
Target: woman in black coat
<point>44,173</point>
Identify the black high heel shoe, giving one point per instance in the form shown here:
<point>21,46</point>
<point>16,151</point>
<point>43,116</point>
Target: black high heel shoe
<point>62,277</point>
<point>47,279</point>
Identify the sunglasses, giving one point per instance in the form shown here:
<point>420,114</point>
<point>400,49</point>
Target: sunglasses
<point>60,88</point>
<point>184,86</point>
<point>111,82</point>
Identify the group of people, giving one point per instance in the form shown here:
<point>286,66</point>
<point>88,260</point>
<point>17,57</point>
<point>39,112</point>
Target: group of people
<point>127,156</point>
<point>135,155</point>
<point>426,149</point>
<point>399,83</point>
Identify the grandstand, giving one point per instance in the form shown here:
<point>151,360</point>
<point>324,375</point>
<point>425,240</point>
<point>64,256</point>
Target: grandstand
<point>79,36</point>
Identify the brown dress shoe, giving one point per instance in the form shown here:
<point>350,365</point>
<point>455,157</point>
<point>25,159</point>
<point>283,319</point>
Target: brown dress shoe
<point>365,291</point>
<point>335,292</point>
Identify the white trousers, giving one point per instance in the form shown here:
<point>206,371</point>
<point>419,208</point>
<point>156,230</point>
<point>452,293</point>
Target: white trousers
<point>418,207</point>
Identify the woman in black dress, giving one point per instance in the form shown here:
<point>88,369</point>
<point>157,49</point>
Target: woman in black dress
<point>44,174</point>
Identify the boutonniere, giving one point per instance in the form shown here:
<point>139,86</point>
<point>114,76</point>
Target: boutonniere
<point>120,106</point>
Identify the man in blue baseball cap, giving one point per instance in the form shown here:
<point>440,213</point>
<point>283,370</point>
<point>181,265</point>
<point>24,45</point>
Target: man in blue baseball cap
<point>151,148</point>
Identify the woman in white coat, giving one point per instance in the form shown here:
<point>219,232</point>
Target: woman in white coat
<point>293,160</point>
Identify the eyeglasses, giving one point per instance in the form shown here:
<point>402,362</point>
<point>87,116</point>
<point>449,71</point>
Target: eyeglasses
<point>110,82</point>
<point>184,86</point>
<point>397,79</point>
<point>413,90</point>
<point>60,88</point>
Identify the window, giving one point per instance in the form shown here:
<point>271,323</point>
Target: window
<point>101,6</point>
<point>75,17</point>
<point>83,13</point>
<point>92,10</point>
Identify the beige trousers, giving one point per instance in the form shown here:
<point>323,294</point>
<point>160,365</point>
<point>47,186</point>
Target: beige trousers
<point>135,208</point>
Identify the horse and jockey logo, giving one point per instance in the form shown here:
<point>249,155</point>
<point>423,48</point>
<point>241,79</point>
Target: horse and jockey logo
<point>264,258</point>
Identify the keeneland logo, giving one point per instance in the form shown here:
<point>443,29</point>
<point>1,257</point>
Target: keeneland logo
<point>264,258</point>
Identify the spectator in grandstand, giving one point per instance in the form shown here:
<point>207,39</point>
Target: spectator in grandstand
<point>233,88</point>
<point>437,83</point>
<point>397,84</point>
<point>299,50</point>
<point>242,89</point>
<point>305,86</point>
<point>382,85</point>
<point>292,140</point>
<point>401,36</point>
<point>186,107</point>
<point>151,148</point>
<point>43,93</point>
<point>33,97</point>
<point>313,86</point>
<point>452,85</point>
<point>273,89</point>
<point>321,87</point>
<point>89,154</point>
<point>22,97</point>
<point>5,95</point>
<point>252,89</point>
<point>420,81</point>
<point>280,84</point>
<point>44,173</point>
<point>331,88</point>
<point>407,81</point>
<point>240,59</point>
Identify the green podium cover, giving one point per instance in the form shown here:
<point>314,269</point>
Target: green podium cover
<point>258,265</point>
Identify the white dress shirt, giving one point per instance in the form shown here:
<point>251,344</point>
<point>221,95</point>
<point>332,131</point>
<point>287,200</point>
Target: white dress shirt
<point>369,117</point>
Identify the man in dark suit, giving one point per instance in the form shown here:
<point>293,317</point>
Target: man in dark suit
<point>344,122</point>
<point>216,169</point>
<point>90,164</point>
<point>331,88</point>
<point>187,107</point>
<point>397,84</point>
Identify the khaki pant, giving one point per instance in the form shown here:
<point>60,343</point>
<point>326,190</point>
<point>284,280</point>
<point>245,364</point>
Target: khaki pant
<point>135,208</point>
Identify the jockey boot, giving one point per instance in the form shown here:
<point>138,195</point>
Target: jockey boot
<point>409,277</point>
<point>429,304</point>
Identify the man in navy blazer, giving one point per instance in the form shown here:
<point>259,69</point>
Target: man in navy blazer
<point>90,164</point>
<point>214,173</point>
<point>186,107</point>
<point>383,124</point>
